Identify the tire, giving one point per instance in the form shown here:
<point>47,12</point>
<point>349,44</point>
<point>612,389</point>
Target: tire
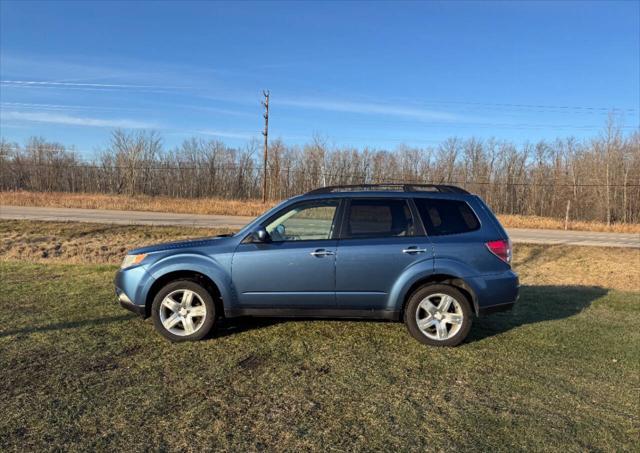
<point>426,305</point>
<point>183,311</point>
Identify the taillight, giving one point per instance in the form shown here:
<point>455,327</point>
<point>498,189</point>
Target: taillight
<point>501,249</point>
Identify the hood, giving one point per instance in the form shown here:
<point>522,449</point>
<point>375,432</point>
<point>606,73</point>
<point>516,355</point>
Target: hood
<point>189,243</point>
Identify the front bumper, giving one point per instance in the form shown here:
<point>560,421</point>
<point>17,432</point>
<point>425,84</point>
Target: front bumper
<point>125,302</point>
<point>132,286</point>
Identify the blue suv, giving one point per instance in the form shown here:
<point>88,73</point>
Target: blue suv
<point>433,256</point>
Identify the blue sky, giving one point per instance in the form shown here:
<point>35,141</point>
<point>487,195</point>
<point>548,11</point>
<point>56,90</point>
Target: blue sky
<point>357,74</point>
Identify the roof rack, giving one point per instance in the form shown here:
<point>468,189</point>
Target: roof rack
<point>442,188</point>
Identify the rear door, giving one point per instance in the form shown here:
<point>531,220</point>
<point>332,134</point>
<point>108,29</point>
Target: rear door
<point>379,239</point>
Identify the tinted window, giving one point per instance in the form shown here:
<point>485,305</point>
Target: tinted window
<point>442,217</point>
<point>379,218</point>
<point>304,222</point>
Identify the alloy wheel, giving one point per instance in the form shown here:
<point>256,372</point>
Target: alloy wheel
<point>182,312</point>
<point>439,316</point>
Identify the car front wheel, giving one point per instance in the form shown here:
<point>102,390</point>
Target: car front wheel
<point>183,311</point>
<point>438,315</point>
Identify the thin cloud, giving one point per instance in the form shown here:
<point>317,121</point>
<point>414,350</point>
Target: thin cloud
<point>95,87</point>
<point>370,108</point>
<point>69,120</point>
<point>75,84</point>
<point>60,107</point>
<point>226,134</point>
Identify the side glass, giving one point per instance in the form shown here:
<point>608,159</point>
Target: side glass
<point>442,217</point>
<point>369,218</point>
<point>304,222</point>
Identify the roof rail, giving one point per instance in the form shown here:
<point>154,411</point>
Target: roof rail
<point>442,188</point>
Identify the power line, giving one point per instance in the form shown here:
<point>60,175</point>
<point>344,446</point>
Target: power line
<point>110,87</point>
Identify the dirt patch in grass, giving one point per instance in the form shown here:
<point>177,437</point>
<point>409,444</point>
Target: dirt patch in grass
<point>85,243</point>
<point>221,206</point>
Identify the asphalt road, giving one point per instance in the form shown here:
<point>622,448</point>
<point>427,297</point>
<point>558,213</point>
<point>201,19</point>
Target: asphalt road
<point>162,218</point>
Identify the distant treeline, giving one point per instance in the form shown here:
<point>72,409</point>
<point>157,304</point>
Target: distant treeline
<point>600,177</point>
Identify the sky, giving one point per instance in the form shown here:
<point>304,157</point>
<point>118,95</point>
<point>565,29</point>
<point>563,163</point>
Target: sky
<point>355,74</point>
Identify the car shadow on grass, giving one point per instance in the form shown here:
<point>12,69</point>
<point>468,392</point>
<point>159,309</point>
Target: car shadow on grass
<point>537,304</point>
<point>234,326</point>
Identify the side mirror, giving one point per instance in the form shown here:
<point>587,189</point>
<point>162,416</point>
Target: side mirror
<point>261,235</point>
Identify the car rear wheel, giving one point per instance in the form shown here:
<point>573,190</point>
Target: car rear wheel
<point>438,315</point>
<point>183,311</point>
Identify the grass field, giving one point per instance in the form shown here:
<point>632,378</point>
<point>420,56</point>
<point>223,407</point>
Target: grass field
<point>560,372</point>
<point>250,208</point>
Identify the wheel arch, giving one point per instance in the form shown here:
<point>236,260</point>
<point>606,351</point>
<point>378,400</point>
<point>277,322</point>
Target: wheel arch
<point>446,279</point>
<point>198,277</point>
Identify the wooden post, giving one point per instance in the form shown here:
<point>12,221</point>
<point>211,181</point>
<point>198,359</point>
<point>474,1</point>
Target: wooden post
<point>265,103</point>
<point>566,217</point>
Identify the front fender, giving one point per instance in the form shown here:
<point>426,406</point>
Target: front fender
<point>194,262</point>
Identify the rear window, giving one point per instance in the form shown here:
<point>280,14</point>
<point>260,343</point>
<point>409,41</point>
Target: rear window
<point>441,217</point>
<point>379,218</point>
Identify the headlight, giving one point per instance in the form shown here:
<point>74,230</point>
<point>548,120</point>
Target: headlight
<point>132,260</point>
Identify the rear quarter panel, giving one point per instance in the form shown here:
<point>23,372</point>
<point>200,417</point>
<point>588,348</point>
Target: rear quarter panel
<point>465,256</point>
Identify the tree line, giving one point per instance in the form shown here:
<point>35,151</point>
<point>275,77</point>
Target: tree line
<point>599,178</point>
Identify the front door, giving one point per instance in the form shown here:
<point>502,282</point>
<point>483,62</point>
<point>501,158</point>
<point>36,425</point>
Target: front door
<point>296,268</point>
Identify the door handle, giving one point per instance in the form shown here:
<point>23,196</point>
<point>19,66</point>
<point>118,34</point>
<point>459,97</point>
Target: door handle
<point>413,250</point>
<point>322,252</point>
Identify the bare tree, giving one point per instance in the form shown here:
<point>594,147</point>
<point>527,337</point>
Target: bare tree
<point>600,177</point>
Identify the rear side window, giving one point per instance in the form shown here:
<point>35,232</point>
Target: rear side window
<point>441,217</point>
<point>379,218</point>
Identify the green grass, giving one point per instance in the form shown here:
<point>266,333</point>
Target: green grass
<point>561,372</point>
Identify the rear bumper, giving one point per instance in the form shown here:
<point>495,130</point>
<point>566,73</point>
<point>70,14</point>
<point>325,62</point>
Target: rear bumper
<point>496,292</point>
<point>495,309</point>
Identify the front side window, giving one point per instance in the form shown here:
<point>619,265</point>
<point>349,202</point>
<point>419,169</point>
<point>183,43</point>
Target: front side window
<point>442,217</point>
<point>304,222</point>
<point>379,218</point>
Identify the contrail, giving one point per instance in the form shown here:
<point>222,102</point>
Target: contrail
<point>82,85</point>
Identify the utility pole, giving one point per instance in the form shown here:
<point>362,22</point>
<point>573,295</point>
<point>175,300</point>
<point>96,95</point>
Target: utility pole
<point>265,103</point>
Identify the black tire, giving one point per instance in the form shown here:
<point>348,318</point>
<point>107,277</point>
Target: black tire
<point>431,290</point>
<point>204,296</point>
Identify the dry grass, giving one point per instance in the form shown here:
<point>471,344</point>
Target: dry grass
<point>548,223</point>
<point>217,206</point>
<point>615,268</point>
<point>85,243</point>
<point>247,208</point>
